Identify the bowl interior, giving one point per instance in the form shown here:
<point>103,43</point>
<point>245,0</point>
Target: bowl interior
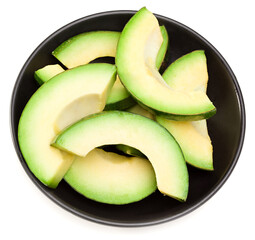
<point>226,128</point>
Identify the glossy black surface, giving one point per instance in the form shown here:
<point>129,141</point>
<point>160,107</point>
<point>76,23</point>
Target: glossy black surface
<point>226,128</point>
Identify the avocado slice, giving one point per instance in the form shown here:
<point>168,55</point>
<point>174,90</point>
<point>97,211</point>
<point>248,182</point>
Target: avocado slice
<point>59,102</point>
<point>193,139</point>
<point>139,132</point>
<point>189,73</point>
<point>136,55</point>
<point>86,47</point>
<point>111,178</point>
<point>44,74</point>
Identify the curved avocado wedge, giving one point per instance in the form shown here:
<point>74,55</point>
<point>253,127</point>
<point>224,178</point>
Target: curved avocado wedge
<point>136,55</point>
<point>193,139</point>
<point>189,73</point>
<point>86,47</point>
<point>111,178</point>
<point>44,74</point>
<point>61,101</point>
<point>139,132</point>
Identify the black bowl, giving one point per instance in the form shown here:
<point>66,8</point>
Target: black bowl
<point>226,128</point>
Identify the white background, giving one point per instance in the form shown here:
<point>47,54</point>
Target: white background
<point>26,213</point>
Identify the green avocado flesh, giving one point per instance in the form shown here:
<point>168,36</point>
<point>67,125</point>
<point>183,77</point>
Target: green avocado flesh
<point>137,109</point>
<point>136,55</point>
<point>46,73</point>
<point>189,73</point>
<point>116,179</point>
<point>139,132</point>
<point>61,101</point>
<point>86,47</point>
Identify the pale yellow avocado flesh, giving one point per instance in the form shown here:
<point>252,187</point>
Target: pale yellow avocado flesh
<point>111,178</point>
<point>135,59</point>
<point>117,127</point>
<point>193,139</point>
<point>59,102</point>
<point>189,73</point>
<point>137,109</point>
<point>44,74</point>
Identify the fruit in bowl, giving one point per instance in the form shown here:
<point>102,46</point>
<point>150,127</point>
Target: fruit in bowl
<point>163,109</point>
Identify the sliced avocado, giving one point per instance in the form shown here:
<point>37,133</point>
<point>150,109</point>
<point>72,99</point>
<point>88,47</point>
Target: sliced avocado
<point>136,55</point>
<point>118,127</point>
<point>111,178</point>
<point>85,47</point>
<point>61,101</point>
<point>189,73</point>
<point>44,74</point>
<point>137,109</point>
<point>193,139</point>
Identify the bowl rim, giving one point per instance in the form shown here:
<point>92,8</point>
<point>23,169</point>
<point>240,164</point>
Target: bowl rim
<point>116,223</point>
